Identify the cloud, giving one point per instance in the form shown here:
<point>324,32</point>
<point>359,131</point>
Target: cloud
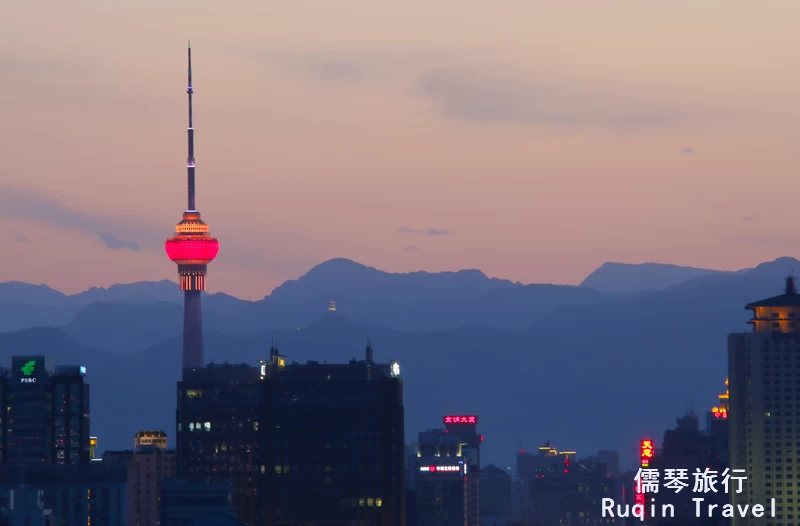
<point>748,218</point>
<point>687,150</point>
<point>32,205</point>
<point>353,65</point>
<point>492,94</point>
<point>18,237</point>
<point>426,231</point>
<point>411,249</point>
<point>114,243</point>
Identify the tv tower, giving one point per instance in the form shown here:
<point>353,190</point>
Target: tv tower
<point>192,248</point>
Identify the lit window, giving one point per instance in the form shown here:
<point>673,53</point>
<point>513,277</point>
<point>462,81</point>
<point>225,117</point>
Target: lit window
<point>207,426</point>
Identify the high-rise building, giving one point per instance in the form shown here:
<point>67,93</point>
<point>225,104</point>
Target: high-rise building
<point>446,473</point>
<point>148,465</point>
<point>495,496</point>
<point>440,480</point>
<point>572,494</point>
<point>299,443</point>
<point>466,427</point>
<point>88,494</point>
<point>217,429</point>
<point>688,448</point>
<point>44,413</point>
<point>332,435</point>
<point>192,248</point>
<point>764,407</point>
<point>193,501</point>
<point>529,466</point>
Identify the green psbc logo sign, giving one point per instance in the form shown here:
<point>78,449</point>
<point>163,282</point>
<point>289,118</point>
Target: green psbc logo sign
<point>29,367</point>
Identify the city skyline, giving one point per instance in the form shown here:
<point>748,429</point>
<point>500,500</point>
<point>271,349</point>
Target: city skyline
<point>429,149</point>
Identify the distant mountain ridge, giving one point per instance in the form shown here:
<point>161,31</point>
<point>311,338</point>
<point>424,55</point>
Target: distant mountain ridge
<point>343,277</point>
<point>580,351</point>
<point>622,278</point>
<point>126,318</point>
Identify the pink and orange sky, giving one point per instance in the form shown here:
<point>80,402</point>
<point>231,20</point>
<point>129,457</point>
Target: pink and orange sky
<point>538,139</point>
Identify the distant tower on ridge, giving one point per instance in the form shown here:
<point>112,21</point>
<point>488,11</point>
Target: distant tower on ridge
<point>192,248</point>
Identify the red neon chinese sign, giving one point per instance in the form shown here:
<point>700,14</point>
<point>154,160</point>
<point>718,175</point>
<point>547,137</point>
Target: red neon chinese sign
<point>461,419</point>
<point>646,452</point>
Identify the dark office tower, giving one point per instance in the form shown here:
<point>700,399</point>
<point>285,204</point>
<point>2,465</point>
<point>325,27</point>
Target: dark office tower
<point>466,427</point>
<point>217,430</point>
<point>686,447</point>
<point>529,466</point>
<point>572,495</point>
<point>44,413</point>
<point>495,496</point>
<point>446,473</point>
<point>192,248</point>
<point>332,443</point>
<point>440,480</point>
<point>764,374</point>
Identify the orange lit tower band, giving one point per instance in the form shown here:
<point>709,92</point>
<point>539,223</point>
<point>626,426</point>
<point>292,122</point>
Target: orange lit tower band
<point>192,248</point>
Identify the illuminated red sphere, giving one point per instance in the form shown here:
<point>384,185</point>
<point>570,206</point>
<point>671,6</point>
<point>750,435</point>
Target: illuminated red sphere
<point>192,250</point>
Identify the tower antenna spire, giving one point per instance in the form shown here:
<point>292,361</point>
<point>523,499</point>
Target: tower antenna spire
<point>190,158</point>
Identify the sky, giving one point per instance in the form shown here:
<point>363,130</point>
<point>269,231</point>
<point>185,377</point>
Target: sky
<point>534,140</point>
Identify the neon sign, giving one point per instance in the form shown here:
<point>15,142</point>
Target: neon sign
<point>440,469</point>
<point>461,419</point>
<point>646,452</point>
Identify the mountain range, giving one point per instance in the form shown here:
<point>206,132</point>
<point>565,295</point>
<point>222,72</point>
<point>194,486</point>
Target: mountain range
<point>586,367</point>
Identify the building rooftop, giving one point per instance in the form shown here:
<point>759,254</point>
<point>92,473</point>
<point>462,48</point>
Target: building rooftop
<point>790,298</point>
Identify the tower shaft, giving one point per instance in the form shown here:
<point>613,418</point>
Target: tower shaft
<point>192,330</point>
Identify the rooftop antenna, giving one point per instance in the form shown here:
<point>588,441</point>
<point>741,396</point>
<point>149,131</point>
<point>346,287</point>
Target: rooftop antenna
<point>190,159</point>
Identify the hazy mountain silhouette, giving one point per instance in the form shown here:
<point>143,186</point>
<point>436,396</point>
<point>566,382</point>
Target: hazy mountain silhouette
<point>625,278</point>
<point>585,376</point>
<point>125,327</point>
<point>343,277</point>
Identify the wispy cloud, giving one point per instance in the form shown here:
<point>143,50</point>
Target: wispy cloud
<point>748,218</point>
<point>19,237</point>
<point>354,65</point>
<point>425,231</point>
<point>494,94</point>
<point>114,243</point>
<point>687,150</point>
<point>411,249</point>
<point>32,205</point>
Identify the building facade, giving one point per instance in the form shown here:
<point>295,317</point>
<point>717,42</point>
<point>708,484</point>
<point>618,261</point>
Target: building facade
<point>90,494</point>
<point>287,435</point>
<point>148,466</point>
<point>764,408</point>
<point>495,500</point>
<point>44,416</point>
